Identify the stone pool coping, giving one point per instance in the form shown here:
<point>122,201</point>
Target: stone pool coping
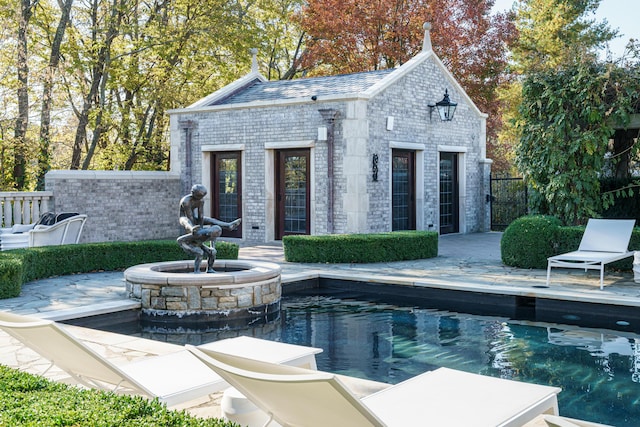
<point>252,271</point>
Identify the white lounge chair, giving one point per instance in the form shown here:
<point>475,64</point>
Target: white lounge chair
<point>546,420</point>
<point>173,378</point>
<point>444,397</point>
<point>604,241</point>
<point>50,230</point>
<point>64,232</point>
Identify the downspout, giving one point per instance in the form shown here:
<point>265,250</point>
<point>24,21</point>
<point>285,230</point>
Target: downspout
<point>188,126</point>
<point>329,116</point>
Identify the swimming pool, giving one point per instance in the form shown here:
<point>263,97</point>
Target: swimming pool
<point>598,369</point>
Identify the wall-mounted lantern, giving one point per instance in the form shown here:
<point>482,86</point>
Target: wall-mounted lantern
<point>446,108</point>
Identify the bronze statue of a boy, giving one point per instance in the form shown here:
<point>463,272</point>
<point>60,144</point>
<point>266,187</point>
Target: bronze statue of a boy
<point>200,228</point>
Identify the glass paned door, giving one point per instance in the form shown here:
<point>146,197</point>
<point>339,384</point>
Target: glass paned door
<point>292,193</point>
<point>227,192</point>
<point>449,205</point>
<point>403,209</point>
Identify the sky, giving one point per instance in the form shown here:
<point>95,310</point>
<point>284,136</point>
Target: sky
<point>620,14</point>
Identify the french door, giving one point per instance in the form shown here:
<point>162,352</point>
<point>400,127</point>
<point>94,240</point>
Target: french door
<point>449,191</point>
<point>403,185</point>
<point>226,189</point>
<point>292,192</point>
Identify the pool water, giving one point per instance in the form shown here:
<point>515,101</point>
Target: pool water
<point>598,370</point>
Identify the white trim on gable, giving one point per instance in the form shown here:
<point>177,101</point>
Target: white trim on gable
<point>409,66</point>
<point>459,88</point>
<point>266,104</point>
<point>204,104</point>
<point>228,89</point>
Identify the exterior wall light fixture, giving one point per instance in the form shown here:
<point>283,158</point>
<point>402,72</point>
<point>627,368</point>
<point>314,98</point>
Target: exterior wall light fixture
<point>374,167</point>
<point>446,108</point>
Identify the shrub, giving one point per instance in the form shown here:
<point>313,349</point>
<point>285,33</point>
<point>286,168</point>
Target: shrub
<point>361,248</point>
<point>529,241</point>
<point>29,400</point>
<point>11,272</point>
<point>24,265</point>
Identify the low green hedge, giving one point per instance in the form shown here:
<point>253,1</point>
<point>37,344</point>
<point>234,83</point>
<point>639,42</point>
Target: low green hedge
<point>361,248</point>
<point>29,400</point>
<point>530,240</point>
<point>24,265</point>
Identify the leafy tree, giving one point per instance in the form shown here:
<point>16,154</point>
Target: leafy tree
<point>109,69</point>
<point>22,119</point>
<point>347,36</point>
<point>44,154</point>
<point>567,118</point>
<point>551,34</point>
<point>282,39</point>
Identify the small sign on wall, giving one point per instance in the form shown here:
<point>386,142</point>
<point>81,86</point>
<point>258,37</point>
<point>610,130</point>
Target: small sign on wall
<point>322,133</point>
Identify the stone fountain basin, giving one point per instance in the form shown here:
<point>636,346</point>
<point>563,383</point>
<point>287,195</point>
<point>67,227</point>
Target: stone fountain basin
<point>170,291</point>
<point>181,273</point>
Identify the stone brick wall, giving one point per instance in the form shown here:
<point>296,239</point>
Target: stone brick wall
<point>360,204</point>
<point>120,206</point>
<point>254,132</point>
<point>406,101</point>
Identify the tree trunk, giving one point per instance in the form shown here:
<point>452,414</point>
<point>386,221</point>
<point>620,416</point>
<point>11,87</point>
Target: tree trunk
<point>622,144</point>
<point>99,72</point>
<point>22,121</point>
<point>44,154</point>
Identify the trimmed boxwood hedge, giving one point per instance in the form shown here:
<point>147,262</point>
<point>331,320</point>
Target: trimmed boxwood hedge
<point>29,400</point>
<point>19,266</point>
<point>361,248</point>
<point>530,240</point>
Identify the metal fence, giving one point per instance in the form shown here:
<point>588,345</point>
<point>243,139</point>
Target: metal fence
<point>508,201</point>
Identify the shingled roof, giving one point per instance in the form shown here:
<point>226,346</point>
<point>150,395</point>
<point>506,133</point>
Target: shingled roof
<point>344,84</point>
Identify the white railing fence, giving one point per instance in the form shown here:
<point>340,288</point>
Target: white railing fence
<point>18,207</point>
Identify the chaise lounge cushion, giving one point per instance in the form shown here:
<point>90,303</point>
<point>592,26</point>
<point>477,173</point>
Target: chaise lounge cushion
<point>50,230</point>
<point>444,397</point>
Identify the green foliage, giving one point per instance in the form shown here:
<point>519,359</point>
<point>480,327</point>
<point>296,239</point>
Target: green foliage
<point>552,32</point>
<point>29,400</point>
<point>624,197</point>
<point>25,265</point>
<point>361,248</point>
<point>11,272</point>
<point>119,67</point>
<point>565,130</point>
<point>529,241</point>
